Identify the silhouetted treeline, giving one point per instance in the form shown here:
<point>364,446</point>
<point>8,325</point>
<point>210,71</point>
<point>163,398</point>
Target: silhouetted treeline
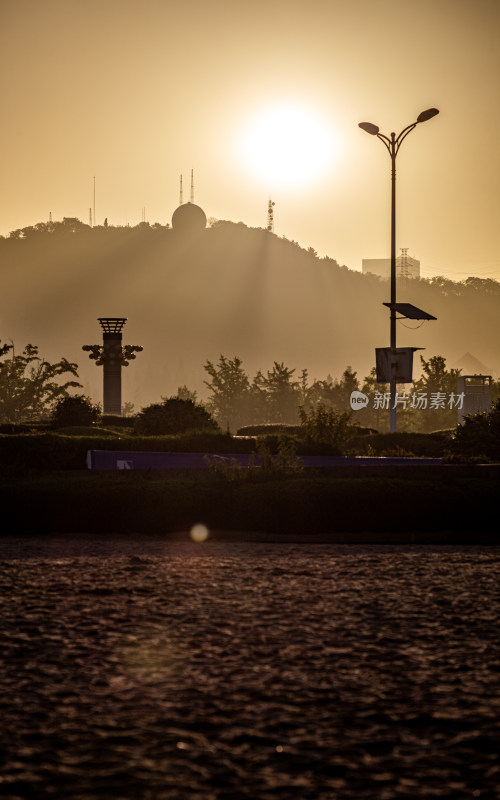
<point>231,289</point>
<point>280,396</point>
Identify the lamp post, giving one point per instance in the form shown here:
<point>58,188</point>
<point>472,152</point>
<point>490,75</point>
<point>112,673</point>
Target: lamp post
<point>393,144</point>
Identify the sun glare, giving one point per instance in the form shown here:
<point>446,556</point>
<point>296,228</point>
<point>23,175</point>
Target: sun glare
<point>287,146</point>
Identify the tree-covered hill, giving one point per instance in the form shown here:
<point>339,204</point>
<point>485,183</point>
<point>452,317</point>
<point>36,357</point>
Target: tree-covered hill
<point>231,289</point>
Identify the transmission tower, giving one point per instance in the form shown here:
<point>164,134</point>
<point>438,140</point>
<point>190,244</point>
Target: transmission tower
<point>191,196</point>
<point>404,271</point>
<point>270,216</point>
<point>180,193</point>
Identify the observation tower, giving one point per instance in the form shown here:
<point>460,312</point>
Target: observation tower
<point>112,356</point>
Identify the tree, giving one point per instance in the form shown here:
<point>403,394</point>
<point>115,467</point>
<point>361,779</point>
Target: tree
<point>127,409</point>
<point>174,415</point>
<point>348,383</point>
<point>231,400</point>
<point>75,410</point>
<point>4,349</point>
<point>479,434</point>
<point>184,393</point>
<point>334,393</point>
<point>330,431</point>
<point>436,383</point>
<point>29,385</point>
<point>373,416</point>
<point>68,224</point>
<point>278,394</point>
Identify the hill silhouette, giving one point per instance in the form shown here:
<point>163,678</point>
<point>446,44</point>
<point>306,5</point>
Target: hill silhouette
<point>228,289</point>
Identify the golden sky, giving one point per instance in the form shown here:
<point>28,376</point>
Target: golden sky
<point>136,93</point>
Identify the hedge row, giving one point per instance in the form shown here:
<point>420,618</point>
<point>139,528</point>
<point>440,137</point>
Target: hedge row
<point>140,503</point>
<point>107,420</point>
<point>53,451</point>
<point>432,445</point>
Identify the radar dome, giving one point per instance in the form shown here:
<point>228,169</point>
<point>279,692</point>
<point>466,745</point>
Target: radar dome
<point>189,218</point>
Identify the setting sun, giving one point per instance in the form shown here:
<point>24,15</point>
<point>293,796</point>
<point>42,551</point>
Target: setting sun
<point>287,146</point>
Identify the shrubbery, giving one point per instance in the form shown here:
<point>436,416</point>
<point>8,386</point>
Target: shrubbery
<point>479,434</point>
<point>174,415</point>
<point>330,431</point>
<point>271,427</point>
<point>431,445</point>
<point>53,451</point>
<point>112,421</point>
<point>275,460</point>
<point>77,410</point>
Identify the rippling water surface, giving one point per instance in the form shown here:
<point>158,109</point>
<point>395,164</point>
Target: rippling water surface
<point>169,669</point>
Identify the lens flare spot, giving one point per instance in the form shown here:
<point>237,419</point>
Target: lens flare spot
<point>199,533</point>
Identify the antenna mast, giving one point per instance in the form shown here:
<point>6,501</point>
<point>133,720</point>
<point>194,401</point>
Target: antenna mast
<point>180,194</point>
<point>270,216</point>
<point>93,216</point>
<point>191,197</point>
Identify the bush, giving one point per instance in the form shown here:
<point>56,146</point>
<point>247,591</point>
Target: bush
<point>112,421</point>
<point>432,445</point>
<point>174,415</point>
<point>479,434</point>
<point>268,428</point>
<point>25,427</point>
<point>330,431</point>
<point>53,450</point>
<point>83,430</point>
<point>77,410</point>
<point>268,463</point>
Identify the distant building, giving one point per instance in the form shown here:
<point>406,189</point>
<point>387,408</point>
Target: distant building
<point>476,390</point>
<point>406,266</point>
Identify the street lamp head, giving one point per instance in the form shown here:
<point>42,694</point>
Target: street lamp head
<point>428,114</point>
<point>369,128</point>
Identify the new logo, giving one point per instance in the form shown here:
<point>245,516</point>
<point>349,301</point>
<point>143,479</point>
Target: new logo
<point>358,400</point>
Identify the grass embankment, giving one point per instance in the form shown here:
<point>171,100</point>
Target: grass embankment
<point>45,487</point>
<point>142,503</point>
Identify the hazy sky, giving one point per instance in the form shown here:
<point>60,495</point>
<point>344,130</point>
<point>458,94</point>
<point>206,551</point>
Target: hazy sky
<point>261,99</point>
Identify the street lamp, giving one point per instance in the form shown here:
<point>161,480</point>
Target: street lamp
<point>393,144</point>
